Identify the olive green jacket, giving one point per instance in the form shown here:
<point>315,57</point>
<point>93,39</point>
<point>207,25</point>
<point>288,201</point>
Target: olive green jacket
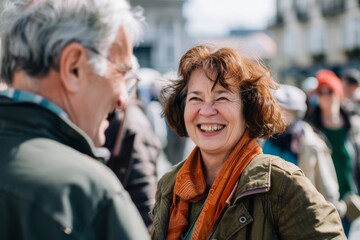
<point>51,187</point>
<point>273,200</point>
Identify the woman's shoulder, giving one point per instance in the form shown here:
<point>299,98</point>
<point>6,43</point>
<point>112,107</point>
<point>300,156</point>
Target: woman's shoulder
<point>267,171</point>
<point>270,163</point>
<point>167,181</point>
<point>279,176</point>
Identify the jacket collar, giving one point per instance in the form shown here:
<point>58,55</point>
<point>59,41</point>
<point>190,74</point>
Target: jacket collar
<point>16,95</point>
<point>46,120</point>
<point>254,179</point>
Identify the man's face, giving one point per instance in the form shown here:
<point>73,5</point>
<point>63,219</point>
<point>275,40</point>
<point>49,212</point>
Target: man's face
<point>349,88</point>
<point>102,95</point>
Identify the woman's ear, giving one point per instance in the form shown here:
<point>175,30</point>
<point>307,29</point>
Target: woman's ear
<point>71,63</point>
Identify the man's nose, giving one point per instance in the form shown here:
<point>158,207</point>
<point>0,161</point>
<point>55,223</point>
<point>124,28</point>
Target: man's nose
<point>208,109</point>
<point>123,97</point>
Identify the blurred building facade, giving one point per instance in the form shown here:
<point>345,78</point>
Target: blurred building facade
<point>251,43</point>
<point>165,38</point>
<point>313,34</point>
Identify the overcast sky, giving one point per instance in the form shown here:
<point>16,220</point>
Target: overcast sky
<point>217,17</point>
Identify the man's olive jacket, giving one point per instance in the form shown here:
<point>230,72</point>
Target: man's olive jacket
<point>51,187</point>
<point>273,200</point>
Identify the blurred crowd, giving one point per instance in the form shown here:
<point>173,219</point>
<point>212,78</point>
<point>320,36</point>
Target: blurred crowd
<point>323,136</point>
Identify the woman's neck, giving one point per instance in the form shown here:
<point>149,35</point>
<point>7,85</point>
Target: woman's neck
<point>212,165</point>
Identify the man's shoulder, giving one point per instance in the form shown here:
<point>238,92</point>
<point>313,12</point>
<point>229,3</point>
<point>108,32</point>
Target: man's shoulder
<point>59,182</point>
<point>86,169</point>
<point>50,164</point>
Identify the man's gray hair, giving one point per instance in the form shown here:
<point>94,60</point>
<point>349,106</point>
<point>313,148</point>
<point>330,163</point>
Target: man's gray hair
<point>34,32</point>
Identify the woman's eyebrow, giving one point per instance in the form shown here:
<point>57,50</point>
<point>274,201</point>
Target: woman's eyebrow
<point>194,92</point>
<point>222,91</point>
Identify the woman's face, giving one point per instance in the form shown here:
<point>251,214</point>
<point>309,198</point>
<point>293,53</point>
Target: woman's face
<point>328,99</point>
<point>213,117</point>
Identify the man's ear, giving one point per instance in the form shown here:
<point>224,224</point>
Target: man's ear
<point>72,60</point>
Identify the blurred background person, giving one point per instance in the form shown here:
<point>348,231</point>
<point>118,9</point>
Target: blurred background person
<point>351,84</point>
<point>148,92</point>
<point>340,131</point>
<point>136,149</point>
<point>3,86</point>
<point>301,145</point>
<point>308,86</point>
<point>287,145</point>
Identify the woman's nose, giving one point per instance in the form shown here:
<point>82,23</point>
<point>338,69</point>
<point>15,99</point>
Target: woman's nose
<point>208,109</point>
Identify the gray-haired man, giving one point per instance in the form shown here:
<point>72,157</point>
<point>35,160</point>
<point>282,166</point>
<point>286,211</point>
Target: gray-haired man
<point>67,64</point>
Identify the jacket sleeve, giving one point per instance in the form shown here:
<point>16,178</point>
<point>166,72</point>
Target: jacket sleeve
<point>118,218</point>
<point>300,211</point>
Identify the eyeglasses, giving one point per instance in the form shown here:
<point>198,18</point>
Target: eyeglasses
<point>325,91</point>
<point>130,77</point>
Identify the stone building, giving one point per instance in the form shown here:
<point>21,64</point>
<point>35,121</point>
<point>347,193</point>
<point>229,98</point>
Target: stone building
<point>314,34</point>
<point>165,38</point>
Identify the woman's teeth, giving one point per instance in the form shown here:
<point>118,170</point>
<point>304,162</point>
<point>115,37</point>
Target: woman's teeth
<point>211,128</point>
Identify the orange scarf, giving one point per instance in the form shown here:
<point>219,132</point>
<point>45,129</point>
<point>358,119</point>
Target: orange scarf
<point>190,185</point>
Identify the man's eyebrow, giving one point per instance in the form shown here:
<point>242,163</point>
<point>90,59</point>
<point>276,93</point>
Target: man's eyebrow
<point>119,67</point>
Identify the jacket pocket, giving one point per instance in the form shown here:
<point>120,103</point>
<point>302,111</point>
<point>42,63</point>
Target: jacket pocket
<point>235,218</point>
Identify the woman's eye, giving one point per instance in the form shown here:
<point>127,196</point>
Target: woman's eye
<point>194,99</point>
<point>221,99</point>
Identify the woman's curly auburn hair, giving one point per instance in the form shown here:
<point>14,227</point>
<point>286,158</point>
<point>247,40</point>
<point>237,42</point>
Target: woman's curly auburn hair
<point>228,68</point>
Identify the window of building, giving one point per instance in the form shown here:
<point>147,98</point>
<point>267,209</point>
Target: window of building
<point>301,8</point>
<point>351,37</point>
<point>331,7</point>
<point>280,10</point>
<point>317,46</point>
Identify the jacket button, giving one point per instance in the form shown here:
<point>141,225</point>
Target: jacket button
<point>242,219</point>
<point>67,230</point>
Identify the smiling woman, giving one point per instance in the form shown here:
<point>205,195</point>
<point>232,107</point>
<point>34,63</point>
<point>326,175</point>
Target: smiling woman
<point>213,116</point>
<point>223,102</point>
